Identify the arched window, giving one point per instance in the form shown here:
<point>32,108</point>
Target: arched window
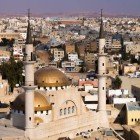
<point>61,112</point>
<point>69,110</point>
<point>73,109</point>
<point>65,111</point>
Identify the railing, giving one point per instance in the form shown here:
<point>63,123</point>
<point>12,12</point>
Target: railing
<point>117,135</point>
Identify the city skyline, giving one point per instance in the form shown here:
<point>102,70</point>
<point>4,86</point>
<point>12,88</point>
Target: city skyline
<point>124,7</point>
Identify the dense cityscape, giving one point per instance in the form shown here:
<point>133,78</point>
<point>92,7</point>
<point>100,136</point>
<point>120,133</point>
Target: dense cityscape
<point>69,78</point>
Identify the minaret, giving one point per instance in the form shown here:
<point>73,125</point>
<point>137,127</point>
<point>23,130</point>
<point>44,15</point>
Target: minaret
<point>29,81</point>
<point>102,70</point>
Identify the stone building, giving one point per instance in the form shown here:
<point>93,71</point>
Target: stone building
<point>69,48</point>
<point>4,87</point>
<point>131,132</point>
<point>51,107</point>
<point>132,113</point>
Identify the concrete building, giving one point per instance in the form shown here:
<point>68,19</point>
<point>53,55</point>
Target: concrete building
<point>130,68</point>
<point>10,35</point>
<point>4,55</point>
<point>131,132</point>
<point>58,54</point>
<point>116,45</point>
<point>87,84</point>
<point>92,46</point>
<point>69,48</point>
<point>91,101</point>
<point>89,60</point>
<point>69,66</point>
<point>4,87</point>
<point>73,57</point>
<point>132,113</point>
<point>132,48</point>
<point>17,51</point>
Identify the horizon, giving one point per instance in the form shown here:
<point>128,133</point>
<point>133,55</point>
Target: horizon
<point>125,7</point>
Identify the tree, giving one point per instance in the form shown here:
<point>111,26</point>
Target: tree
<point>6,42</point>
<point>13,72</point>
<point>117,82</point>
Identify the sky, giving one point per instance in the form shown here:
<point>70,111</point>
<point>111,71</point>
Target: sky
<point>131,7</point>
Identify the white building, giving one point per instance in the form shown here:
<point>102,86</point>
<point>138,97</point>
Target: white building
<point>17,51</point>
<point>73,57</point>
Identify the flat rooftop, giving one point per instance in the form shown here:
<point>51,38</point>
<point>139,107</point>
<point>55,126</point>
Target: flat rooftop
<point>133,106</point>
<point>99,135</point>
<point>11,132</point>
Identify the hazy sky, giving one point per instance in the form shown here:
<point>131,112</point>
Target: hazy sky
<point>44,6</point>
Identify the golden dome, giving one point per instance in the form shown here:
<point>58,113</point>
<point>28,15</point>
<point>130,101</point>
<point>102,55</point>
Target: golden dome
<point>38,120</point>
<point>51,77</point>
<point>40,102</point>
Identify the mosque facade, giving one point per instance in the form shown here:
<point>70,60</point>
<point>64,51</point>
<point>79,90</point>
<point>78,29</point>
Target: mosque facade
<point>51,107</point>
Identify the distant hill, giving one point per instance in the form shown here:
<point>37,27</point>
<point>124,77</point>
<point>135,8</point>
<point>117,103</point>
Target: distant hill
<point>78,14</point>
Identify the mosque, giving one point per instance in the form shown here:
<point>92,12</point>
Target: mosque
<point>51,107</point>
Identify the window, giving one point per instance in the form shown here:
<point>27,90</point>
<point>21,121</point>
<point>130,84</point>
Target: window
<point>132,120</point>
<point>108,112</point>
<point>61,112</point>
<point>73,109</point>
<point>103,88</point>
<point>103,64</point>
<point>77,134</point>
<point>69,110</point>
<point>41,112</point>
<point>47,112</point>
<point>29,118</point>
<point>65,111</point>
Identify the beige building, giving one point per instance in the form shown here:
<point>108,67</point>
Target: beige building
<point>131,132</point>
<point>132,113</point>
<point>92,46</point>
<point>132,48</point>
<point>58,54</point>
<point>116,44</point>
<point>4,87</point>
<point>129,69</point>
<point>90,59</point>
<point>69,48</point>
<point>10,35</point>
<point>4,55</point>
<point>17,51</point>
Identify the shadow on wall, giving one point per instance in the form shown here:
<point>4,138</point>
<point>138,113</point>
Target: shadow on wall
<point>135,92</point>
<point>121,118</point>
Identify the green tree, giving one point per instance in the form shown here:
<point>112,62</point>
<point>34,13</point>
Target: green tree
<point>117,83</point>
<point>12,71</point>
<point>6,42</point>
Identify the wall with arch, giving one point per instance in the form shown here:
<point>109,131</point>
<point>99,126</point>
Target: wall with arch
<point>68,108</point>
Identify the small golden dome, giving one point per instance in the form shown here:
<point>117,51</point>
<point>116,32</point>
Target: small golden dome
<point>51,77</point>
<point>40,102</point>
<point>38,120</point>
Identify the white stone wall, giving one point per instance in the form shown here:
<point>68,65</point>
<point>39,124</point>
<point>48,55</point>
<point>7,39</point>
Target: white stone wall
<point>18,120</point>
<point>67,127</point>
